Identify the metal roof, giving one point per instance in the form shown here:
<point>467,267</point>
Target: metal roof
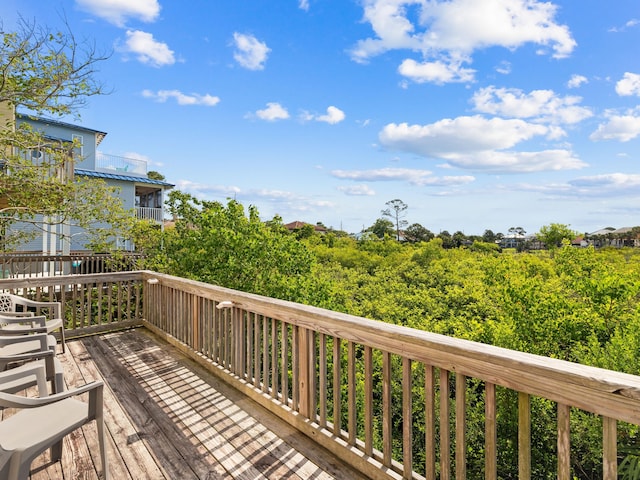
<point>99,134</point>
<point>117,176</point>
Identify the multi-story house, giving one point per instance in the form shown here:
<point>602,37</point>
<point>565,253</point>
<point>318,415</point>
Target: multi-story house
<point>143,195</point>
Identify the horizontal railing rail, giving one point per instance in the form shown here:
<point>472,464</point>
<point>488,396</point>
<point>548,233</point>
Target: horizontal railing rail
<point>375,394</point>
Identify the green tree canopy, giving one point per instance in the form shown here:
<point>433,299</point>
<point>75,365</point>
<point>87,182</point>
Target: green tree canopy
<point>381,228</point>
<point>223,245</point>
<point>553,234</point>
<point>417,233</point>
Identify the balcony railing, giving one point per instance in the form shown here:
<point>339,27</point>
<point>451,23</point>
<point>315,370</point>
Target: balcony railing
<point>149,213</point>
<point>121,165</point>
<point>353,384</point>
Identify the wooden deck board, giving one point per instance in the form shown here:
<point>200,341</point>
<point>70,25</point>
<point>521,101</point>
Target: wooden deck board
<point>167,418</point>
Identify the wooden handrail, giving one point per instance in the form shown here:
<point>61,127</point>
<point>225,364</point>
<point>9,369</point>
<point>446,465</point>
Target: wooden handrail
<point>308,343</point>
<point>358,387</point>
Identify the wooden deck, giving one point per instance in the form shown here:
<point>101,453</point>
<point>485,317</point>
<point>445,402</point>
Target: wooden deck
<point>167,418</point>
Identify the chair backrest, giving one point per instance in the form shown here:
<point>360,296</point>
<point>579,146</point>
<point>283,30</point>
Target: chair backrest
<point>6,303</point>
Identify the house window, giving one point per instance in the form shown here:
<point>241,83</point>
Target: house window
<point>78,152</point>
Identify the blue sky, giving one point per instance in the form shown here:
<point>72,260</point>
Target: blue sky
<point>477,114</point>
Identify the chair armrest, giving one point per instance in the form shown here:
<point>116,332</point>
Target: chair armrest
<point>23,372</point>
<point>16,314</point>
<point>39,321</point>
<point>22,330</point>
<point>19,357</point>
<point>9,400</point>
<point>13,339</point>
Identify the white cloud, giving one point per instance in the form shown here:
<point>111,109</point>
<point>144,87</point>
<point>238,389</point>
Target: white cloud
<point>412,176</point>
<point>182,98</point>
<point>630,24</point>
<point>334,115</point>
<point>541,105</point>
<point>607,185</point>
<point>304,5</point>
<point>273,112</point>
<point>629,85</point>
<point>477,143</point>
<point>577,81</point>
<point>618,127</point>
<point>117,11</point>
<point>250,52</point>
<point>357,190</point>
<point>450,31</point>
<point>148,50</point>
<point>437,72</point>
<point>504,68</point>
<point>518,162</point>
<point>202,190</point>
<point>459,135</point>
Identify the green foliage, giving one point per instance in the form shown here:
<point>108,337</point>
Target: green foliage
<point>417,233</point>
<point>220,244</point>
<point>382,228</point>
<point>552,235</point>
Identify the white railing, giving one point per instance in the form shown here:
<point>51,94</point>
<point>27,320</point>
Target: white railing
<point>121,165</point>
<point>149,213</point>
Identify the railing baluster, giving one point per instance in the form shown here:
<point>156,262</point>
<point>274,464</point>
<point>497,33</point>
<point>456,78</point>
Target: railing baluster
<point>284,333</point>
<point>524,436</point>
<point>265,354</point>
<point>295,368</point>
<point>257,345</point>
<point>461,427</point>
<point>445,429</point>
<point>430,421</point>
<point>337,386</point>
<point>564,442</point>
<point>322,374</point>
<point>351,393</point>
<point>407,418</point>
<point>609,449</point>
<point>304,371</point>
<point>274,358</point>
<point>387,441</point>
<point>491,433</point>
<point>368,401</point>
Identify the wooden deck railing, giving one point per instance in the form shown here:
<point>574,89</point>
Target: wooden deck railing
<point>18,265</point>
<point>372,393</point>
<point>91,303</point>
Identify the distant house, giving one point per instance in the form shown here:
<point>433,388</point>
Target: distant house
<point>138,192</point>
<point>297,225</point>
<point>615,237</point>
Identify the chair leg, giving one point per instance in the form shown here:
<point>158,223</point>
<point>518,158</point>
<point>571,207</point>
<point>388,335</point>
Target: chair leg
<point>103,448</point>
<point>62,340</point>
<point>19,467</point>
<point>56,451</point>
